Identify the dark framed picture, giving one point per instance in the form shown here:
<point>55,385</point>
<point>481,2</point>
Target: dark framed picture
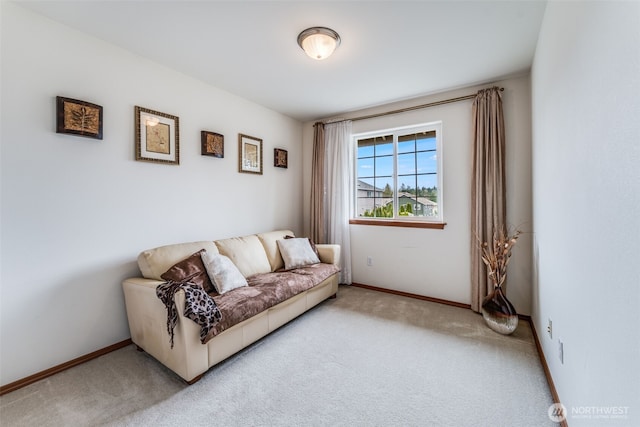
<point>77,117</point>
<point>212,144</point>
<point>157,136</point>
<point>280,158</point>
<point>249,154</point>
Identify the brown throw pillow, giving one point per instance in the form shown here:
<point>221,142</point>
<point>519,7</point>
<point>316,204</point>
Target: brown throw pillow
<point>190,270</point>
<point>313,245</point>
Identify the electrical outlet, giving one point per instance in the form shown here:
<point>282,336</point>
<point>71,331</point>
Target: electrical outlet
<point>561,351</point>
<point>550,329</point>
<point>369,261</point>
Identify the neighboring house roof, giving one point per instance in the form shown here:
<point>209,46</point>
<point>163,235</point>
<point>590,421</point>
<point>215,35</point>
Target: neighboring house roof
<point>364,186</point>
<point>422,200</point>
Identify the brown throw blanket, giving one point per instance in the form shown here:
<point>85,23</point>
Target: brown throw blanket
<point>199,307</point>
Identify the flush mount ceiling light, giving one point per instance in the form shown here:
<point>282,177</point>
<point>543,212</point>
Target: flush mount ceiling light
<point>318,42</point>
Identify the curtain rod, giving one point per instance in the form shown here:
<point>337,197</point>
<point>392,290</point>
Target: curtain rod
<point>404,110</point>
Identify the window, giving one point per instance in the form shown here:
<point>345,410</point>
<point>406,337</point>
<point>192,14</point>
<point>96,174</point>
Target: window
<point>399,174</point>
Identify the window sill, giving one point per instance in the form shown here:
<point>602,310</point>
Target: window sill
<point>395,223</point>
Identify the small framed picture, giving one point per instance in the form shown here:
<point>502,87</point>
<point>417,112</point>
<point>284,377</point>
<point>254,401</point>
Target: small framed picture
<point>280,158</point>
<point>157,136</point>
<point>212,144</point>
<point>250,154</point>
<point>78,118</point>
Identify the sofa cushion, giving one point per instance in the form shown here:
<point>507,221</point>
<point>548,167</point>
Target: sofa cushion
<point>222,272</point>
<point>247,253</point>
<point>269,240</point>
<point>192,270</point>
<point>297,252</point>
<point>154,262</point>
<point>265,291</point>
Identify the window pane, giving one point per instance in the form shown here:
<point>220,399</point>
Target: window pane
<point>407,205</point>
<point>384,186</point>
<point>366,196</point>
<point>384,166</point>
<point>427,162</point>
<point>428,181</point>
<point>365,207</point>
<point>406,184</point>
<point>384,201</point>
<point>365,167</point>
<point>428,194</point>
<point>426,141</point>
<point>365,150</point>
<point>406,164</point>
<point>365,184</point>
<point>425,207</point>
<point>407,146</point>
<point>384,145</point>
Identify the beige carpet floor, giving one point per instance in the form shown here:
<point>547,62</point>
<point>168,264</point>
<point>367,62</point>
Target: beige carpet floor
<point>364,359</point>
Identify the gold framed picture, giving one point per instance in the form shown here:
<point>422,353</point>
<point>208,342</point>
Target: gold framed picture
<point>79,118</point>
<point>280,158</point>
<point>249,154</point>
<point>212,144</point>
<point>157,136</point>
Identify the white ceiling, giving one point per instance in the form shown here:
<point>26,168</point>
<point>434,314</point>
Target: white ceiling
<point>390,51</point>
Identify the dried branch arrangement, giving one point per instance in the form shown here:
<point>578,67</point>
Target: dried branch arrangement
<point>496,257</point>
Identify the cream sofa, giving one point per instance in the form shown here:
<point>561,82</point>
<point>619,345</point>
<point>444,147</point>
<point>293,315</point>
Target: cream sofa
<point>189,358</point>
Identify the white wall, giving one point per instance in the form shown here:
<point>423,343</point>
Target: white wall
<point>436,263</point>
<point>76,211</point>
<point>586,198</point>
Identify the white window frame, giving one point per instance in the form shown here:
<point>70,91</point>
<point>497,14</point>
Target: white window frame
<point>396,132</point>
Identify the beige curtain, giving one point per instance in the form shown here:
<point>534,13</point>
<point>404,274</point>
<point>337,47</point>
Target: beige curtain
<point>488,205</point>
<point>318,233</point>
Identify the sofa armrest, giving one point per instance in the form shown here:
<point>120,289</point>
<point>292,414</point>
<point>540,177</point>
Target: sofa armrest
<point>329,254</point>
<point>147,283</point>
<point>147,317</point>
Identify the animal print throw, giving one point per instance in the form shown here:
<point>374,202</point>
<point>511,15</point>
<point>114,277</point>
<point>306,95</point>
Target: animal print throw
<point>199,307</point>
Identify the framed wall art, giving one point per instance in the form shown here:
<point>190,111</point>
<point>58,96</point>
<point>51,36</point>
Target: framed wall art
<point>250,154</point>
<point>77,117</point>
<point>157,136</point>
<point>280,159</point>
<point>212,144</point>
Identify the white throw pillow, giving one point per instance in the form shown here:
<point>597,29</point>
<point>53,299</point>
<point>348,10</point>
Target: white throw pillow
<point>224,275</point>
<point>297,253</point>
